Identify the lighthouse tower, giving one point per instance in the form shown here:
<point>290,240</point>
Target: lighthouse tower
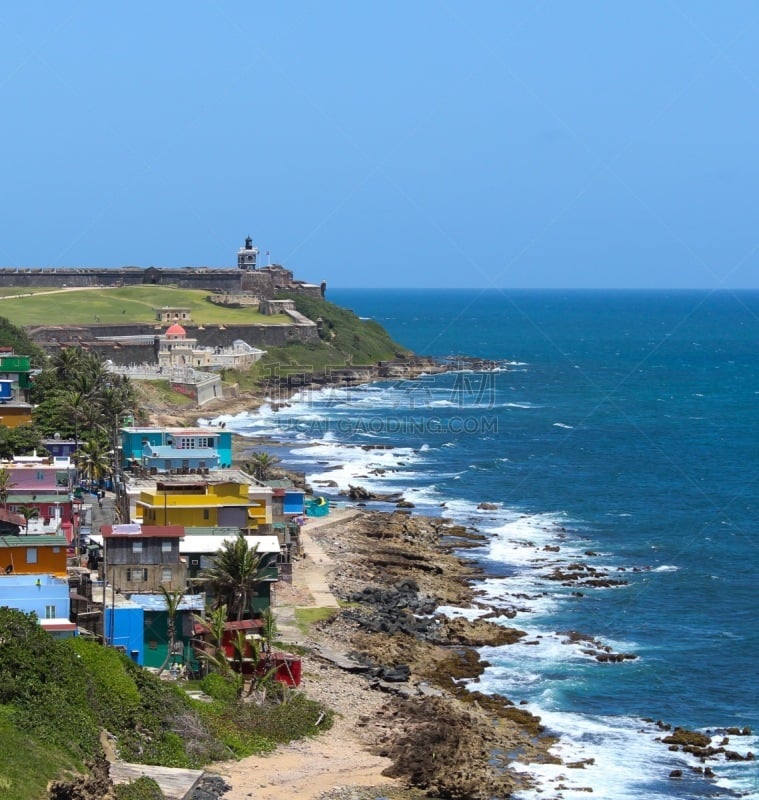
<point>246,256</point>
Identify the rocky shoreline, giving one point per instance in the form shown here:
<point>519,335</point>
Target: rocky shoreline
<point>391,572</point>
<point>278,391</point>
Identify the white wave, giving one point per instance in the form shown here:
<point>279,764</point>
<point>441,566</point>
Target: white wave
<point>666,568</point>
<point>454,612</point>
<point>562,425</point>
<point>622,760</point>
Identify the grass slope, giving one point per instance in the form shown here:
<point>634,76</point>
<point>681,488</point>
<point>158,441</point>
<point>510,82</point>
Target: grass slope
<point>27,764</point>
<point>345,338</point>
<point>45,306</point>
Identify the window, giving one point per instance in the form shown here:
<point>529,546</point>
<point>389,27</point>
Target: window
<point>137,575</point>
<point>165,547</point>
<point>31,555</point>
<point>136,547</point>
<point>49,612</point>
<point>166,575</point>
<point>206,514</point>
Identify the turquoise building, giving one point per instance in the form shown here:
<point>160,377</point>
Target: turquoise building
<point>175,450</point>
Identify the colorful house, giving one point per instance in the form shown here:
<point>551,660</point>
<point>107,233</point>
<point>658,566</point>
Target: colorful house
<point>32,554</point>
<point>175,450</point>
<point>15,380</point>
<point>60,448</point>
<point>202,502</point>
<point>36,483</point>
<point>142,558</point>
<point>41,594</point>
<point>17,370</point>
<point>156,629</point>
<point>200,545</point>
<point>123,625</point>
<point>254,658</point>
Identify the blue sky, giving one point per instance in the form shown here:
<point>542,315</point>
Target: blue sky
<point>393,144</point>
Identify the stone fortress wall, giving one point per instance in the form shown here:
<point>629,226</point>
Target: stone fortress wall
<point>246,279</point>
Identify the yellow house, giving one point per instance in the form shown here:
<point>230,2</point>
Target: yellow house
<point>12,415</point>
<point>220,503</point>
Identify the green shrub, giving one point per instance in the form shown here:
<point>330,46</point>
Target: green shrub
<point>113,693</point>
<point>223,688</point>
<point>251,728</point>
<point>143,788</point>
<point>41,679</point>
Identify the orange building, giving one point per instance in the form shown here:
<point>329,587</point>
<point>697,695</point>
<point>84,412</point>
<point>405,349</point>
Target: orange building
<point>33,555</point>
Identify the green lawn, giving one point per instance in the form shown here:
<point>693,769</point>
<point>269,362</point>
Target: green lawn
<point>41,306</point>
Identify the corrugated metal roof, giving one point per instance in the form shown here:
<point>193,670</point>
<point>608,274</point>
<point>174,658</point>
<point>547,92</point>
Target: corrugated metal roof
<point>157,602</point>
<point>137,531</point>
<point>33,540</point>
<point>211,544</point>
<point>212,530</point>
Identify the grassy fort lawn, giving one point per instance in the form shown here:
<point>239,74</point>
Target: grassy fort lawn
<point>39,305</point>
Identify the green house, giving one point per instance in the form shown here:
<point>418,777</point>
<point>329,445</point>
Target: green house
<point>156,628</point>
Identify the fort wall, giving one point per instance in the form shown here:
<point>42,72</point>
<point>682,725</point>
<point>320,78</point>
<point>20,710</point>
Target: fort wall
<point>265,282</point>
<point>53,337</point>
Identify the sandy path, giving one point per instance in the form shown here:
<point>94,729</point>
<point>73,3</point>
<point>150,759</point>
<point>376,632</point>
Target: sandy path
<point>50,291</point>
<point>306,769</point>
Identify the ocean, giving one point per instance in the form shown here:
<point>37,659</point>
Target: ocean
<point>616,437</point>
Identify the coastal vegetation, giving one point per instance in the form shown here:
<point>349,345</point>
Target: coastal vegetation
<point>56,696</point>
<point>354,340</point>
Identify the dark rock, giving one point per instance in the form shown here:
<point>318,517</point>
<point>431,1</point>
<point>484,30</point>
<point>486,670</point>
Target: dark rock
<point>682,736</point>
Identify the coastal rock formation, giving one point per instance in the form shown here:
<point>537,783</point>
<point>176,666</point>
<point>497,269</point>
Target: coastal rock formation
<point>583,575</point>
<point>393,572</point>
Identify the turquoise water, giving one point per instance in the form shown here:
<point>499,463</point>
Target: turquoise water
<point>621,429</point>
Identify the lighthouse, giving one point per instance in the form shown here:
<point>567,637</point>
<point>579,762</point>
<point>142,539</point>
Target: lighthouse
<point>246,256</point>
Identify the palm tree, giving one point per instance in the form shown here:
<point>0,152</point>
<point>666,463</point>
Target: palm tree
<point>261,464</point>
<point>173,599</point>
<point>6,484</point>
<point>270,630</point>
<point>93,461</point>
<point>233,575</point>
<point>212,653</point>
<point>66,363</point>
<point>75,404</point>
<point>28,513</point>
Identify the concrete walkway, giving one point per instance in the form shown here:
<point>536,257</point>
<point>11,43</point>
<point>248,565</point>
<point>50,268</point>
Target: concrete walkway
<point>310,574</point>
<point>175,783</point>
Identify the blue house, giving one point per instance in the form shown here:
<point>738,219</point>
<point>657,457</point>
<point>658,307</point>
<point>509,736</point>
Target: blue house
<point>61,448</point>
<point>123,625</point>
<point>44,595</point>
<point>175,450</point>
<point>155,651</point>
